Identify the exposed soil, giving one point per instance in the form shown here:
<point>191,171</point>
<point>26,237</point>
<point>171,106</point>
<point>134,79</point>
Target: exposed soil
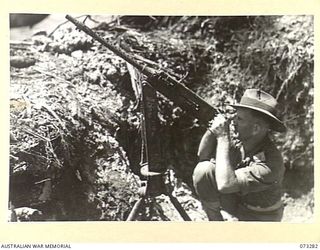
<point>75,123</point>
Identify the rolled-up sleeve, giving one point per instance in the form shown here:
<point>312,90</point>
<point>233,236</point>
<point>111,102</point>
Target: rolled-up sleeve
<point>257,176</point>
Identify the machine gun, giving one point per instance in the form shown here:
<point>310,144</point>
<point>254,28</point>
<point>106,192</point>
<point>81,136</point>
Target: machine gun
<point>168,86</point>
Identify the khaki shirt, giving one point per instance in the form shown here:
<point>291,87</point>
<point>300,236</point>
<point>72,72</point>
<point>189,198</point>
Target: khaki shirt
<point>260,175</point>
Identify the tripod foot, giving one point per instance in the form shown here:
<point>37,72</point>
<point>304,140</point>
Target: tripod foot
<point>179,208</point>
<point>135,210</point>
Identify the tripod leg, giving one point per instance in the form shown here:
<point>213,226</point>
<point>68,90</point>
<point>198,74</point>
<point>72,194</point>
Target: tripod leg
<point>136,209</point>
<point>179,208</point>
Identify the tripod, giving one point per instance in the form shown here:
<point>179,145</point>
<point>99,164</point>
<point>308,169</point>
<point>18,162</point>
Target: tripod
<point>152,167</point>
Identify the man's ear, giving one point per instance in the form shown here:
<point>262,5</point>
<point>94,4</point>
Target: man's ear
<point>256,128</point>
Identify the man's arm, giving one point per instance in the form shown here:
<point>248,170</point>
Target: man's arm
<point>207,146</point>
<point>225,176</point>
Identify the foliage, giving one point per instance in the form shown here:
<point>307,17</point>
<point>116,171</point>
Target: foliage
<point>80,119</point>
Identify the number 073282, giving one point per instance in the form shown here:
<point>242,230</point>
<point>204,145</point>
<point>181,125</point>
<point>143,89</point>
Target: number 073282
<point>310,246</point>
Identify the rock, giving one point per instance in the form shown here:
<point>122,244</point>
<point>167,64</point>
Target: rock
<point>77,54</point>
<point>27,213</point>
<point>21,62</point>
<point>20,20</point>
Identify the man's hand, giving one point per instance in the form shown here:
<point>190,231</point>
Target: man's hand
<point>219,126</point>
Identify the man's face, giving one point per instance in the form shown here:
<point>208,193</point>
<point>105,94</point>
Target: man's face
<point>244,121</point>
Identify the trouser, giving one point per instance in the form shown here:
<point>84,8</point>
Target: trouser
<point>220,206</point>
<point>246,214</point>
<point>213,202</point>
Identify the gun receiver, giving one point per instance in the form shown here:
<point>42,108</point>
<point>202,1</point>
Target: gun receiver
<point>160,81</point>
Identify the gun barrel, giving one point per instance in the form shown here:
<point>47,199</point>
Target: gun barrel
<point>165,84</point>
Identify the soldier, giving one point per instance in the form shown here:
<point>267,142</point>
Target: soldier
<point>242,183</point>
